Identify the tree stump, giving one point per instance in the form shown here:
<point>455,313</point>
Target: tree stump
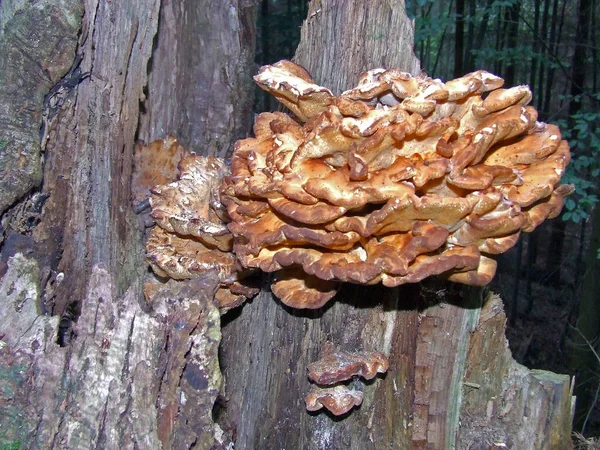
<point>128,374</point>
<point>452,382</point>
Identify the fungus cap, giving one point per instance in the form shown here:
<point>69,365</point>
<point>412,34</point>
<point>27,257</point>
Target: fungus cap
<point>395,180</point>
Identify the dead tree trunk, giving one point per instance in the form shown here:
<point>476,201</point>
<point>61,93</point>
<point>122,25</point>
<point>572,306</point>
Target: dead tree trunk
<point>452,382</point>
<point>136,375</point>
<point>128,374</point>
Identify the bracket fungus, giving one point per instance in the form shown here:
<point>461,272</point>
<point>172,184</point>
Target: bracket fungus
<point>190,236</point>
<point>335,367</point>
<point>393,181</point>
<point>338,399</point>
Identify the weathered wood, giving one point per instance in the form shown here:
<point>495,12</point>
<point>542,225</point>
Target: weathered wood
<point>503,401</point>
<point>340,40</point>
<point>424,329</point>
<point>131,375</point>
<point>200,87</point>
<point>104,390</point>
<point>38,40</point>
<point>87,218</point>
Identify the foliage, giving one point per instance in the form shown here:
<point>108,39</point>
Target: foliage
<point>540,57</point>
<point>581,130</point>
<point>16,445</point>
<point>412,7</point>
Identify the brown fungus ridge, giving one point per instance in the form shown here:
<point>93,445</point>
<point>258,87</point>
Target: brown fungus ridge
<point>338,400</point>
<point>338,365</point>
<point>154,164</point>
<point>395,180</point>
<point>293,86</point>
<point>191,205</point>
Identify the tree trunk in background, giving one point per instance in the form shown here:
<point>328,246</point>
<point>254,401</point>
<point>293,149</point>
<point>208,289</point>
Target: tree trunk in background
<point>131,375</point>
<point>459,37</point>
<point>578,78</point>
<point>584,362</point>
<point>542,36</point>
<point>535,61</point>
<point>553,41</point>
<point>512,40</point>
<point>469,60</point>
<point>449,359</point>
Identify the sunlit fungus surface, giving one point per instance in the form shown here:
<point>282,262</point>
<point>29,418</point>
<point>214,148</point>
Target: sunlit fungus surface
<point>393,181</point>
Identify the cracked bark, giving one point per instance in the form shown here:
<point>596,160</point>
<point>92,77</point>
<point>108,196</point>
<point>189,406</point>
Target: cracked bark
<point>131,375</point>
<point>104,390</point>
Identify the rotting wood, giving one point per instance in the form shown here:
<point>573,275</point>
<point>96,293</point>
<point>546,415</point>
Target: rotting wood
<point>87,218</point>
<point>522,408</point>
<point>37,45</point>
<point>200,88</point>
<point>104,389</point>
<point>130,375</point>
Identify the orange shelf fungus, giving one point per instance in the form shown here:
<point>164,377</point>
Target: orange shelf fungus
<point>393,181</point>
<point>336,366</point>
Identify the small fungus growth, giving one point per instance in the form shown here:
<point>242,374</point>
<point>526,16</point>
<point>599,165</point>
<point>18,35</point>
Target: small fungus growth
<point>335,367</point>
<point>393,181</point>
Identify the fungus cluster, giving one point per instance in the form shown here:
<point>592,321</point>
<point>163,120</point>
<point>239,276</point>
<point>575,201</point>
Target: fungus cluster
<point>393,181</point>
<point>190,236</point>
<point>336,367</point>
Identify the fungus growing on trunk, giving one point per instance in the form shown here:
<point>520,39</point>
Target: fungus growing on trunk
<point>335,367</point>
<point>393,181</point>
<point>338,399</point>
<point>190,236</point>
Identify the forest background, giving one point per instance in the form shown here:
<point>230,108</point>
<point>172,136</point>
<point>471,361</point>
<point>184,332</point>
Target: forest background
<point>550,282</point>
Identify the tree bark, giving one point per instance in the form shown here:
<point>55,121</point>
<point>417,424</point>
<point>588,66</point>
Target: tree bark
<point>449,360</point>
<point>126,374</point>
<point>200,87</point>
<point>459,37</point>
<point>30,37</point>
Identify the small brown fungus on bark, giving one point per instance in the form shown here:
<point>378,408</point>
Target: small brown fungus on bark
<point>338,399</point>
<point>339,365</point>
